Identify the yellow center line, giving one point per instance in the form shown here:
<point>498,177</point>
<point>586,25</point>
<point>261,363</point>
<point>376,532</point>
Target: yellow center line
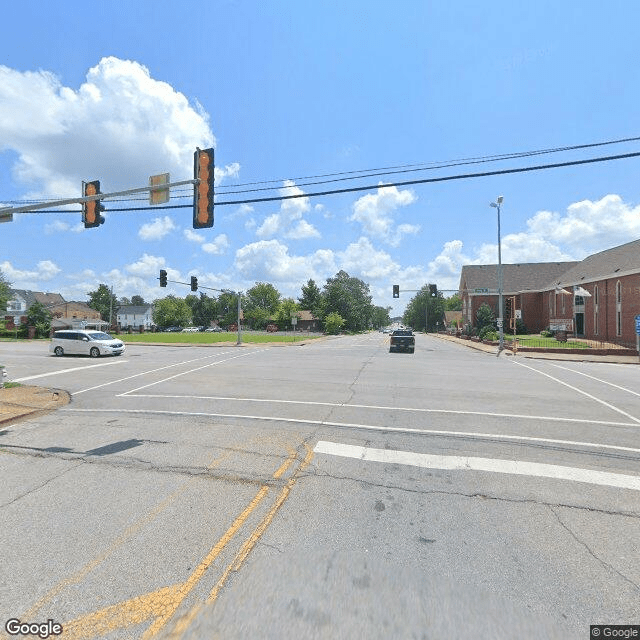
<point>122,538</point>
<point>261,528</point>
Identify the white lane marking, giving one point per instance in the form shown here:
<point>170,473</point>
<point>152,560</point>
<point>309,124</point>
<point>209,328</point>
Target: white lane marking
<point>586,375</point>
<point>386,408</point>
<point>56,373</point>
<point>367,427</point>
<point>144,373</point>
<point>463,463</point>
<point>184,373</point>
<point>584,393</point>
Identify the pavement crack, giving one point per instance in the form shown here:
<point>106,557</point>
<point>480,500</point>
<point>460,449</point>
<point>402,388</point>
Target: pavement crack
<point>44,484</point>
<point>590,551</point>
<point>315,472</point>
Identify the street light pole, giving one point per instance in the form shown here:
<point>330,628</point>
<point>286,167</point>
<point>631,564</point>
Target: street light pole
<point>497,204</point>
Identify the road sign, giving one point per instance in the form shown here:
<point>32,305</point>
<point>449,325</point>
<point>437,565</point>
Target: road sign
<point>499,322</point>
<point>638,325</point>
<point>160,195</point>
<point>481,290</point>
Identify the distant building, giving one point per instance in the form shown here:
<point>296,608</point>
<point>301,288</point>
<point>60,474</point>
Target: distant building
<point>596,298</point>
<point>75,315</point>
<point>20,302</point>
<point>135,316</point>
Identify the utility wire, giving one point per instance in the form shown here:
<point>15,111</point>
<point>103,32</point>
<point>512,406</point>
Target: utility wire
<point>464,176</point>
<point>409,168</point>
<point>367,173</point>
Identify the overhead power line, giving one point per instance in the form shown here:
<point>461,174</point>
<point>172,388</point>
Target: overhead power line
<point>404,183</point>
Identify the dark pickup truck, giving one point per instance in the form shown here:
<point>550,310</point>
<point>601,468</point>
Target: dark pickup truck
<point>402,340</point>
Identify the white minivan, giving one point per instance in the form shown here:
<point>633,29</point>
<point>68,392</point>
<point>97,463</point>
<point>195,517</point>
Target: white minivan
<point>86,343</point>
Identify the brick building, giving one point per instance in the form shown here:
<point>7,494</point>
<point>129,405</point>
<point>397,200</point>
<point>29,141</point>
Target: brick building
<point>597,298</point>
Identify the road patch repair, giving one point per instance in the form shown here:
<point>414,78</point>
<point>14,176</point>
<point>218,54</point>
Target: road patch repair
<point>18,403</point>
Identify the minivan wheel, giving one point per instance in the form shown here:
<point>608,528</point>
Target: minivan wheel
<point>95,352</point>
<point>59,351</point>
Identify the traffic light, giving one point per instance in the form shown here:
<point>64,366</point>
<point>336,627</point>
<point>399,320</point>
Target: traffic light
<point>194,283</point>
<point>91,210</point>
<point>203,170</point>
<point>396,290</point>
<point>163,278</point>
<point>433,291</point>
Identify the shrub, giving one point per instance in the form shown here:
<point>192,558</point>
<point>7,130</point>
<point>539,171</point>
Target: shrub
<point>547,333</point>
<point>487,333</point>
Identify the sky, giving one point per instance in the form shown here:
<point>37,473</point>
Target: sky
<point>286,91</point>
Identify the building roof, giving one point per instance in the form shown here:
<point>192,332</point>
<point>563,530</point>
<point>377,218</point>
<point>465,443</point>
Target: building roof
<point>612,263</point>
<point>517,278</point>
<point>46,299</point>
<point>140,309</point>
<point>304,314</point>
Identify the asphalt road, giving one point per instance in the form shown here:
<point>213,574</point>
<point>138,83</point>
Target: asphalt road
<point>331,490</point>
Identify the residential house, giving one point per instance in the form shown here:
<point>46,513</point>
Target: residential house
<point>21,300</point>
<point>135,316</point>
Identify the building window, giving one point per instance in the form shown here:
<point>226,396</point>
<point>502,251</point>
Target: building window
<point>618,308</point>
<point>595,310</point>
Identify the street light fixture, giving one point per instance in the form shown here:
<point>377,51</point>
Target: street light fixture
<point>496,205</point>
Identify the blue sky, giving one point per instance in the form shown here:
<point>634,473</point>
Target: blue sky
<point>118,91</point>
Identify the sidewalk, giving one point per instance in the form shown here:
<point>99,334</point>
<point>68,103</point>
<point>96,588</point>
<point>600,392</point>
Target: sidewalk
<point>576,357</point>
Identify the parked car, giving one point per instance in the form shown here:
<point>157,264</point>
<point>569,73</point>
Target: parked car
<point>213,330</point>
<point>86,343</point>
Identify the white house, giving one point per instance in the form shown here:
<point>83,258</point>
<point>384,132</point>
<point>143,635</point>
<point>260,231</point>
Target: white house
<point>135,316</point>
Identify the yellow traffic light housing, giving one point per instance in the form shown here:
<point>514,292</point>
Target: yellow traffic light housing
<point>203,171</point>
<point>91,210</point>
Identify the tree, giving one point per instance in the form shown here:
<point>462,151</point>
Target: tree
<point>350,299</point>
<point>227,309</point>
<point>137,300</point>
<point>124,301</point>
<point>170,312</point>
<point>380,317</point>
<point>453,303</point>
<point>203,309</point>
<point>261,304</point>
<point>286,310</point>
<point>422,308</point>
<point>103,300</point>
<point>5,291</point>
<point>39,316</point>
<point>333,322</point>
<point>311,299</point>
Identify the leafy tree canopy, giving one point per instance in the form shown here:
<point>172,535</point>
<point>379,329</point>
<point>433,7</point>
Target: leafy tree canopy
<point>39,316</point>
<point>137,300</point>
<point>261,303</point>
<point>103,300</point>
<point>422,308</point>
<point>453,303</point>
<point>5,291</point>
<point>350,298</point>
<point>286,310</point>
<point>171,312</point>
<point>333,322</point>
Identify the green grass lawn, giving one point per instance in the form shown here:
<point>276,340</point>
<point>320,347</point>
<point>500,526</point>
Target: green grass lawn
<point>547,343</point>
<point>211,338</point>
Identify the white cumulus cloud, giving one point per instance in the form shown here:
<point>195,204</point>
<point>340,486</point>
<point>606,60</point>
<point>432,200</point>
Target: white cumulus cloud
<point>288,221</point>
<point>120,126</point>
<point>375,213</point>
<point>157,229</point>
<point>218,246</point>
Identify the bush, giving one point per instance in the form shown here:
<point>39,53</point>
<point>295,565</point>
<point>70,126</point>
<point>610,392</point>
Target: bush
<point>487,333</point>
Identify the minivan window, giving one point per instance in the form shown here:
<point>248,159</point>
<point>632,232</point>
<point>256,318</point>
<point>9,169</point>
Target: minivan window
<point>99,335</point>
